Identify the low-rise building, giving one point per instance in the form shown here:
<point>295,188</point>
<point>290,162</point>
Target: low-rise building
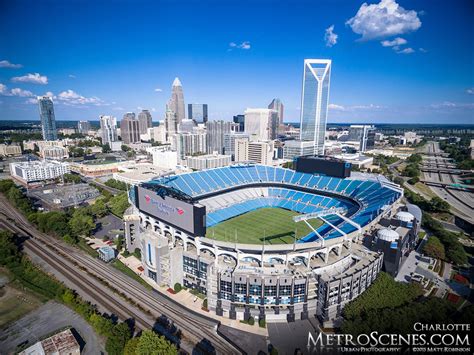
<point>33,171</point>
<point>358,160</point>
<point>164,157</point>
<point>54,153</point>
<point>106,253</point>
<point>9,150</point>
<point>58,344</point>
<point>208,161</point>
<point>56,197</point>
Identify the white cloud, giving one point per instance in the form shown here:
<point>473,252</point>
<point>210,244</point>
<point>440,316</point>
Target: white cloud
<point>470,91</point>
<point>330,37</point>
<point>422,50</point>
<point>396,42</point>
<point>7,64</point>
<point>21,93</point>
<point>72,76</point>
<point>453,105</point>
<point>158,90</point>
<point>32,101</point>
<point>118,108</point>
<point>384,19</point>
<point>35,78</point>
<point>70,97</point>
<point>406,51</point>
<point>336,107</point>
<point>243,45</point>
<point>3,88</point>
<point>49,94</point>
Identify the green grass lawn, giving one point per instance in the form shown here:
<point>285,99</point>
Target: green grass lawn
<point>272,225</point>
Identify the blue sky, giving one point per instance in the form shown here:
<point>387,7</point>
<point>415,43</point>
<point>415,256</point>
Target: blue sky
<point>393,61</point>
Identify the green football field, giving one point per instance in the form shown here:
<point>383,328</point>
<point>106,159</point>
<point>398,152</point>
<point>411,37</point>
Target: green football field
<point>272,225</point>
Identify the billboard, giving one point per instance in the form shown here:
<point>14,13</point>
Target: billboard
<point>323,165</point>
<point>180,214</point>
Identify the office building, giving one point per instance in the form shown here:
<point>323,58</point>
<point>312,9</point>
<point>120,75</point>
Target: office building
<point>48,121</point>
<point>145,121</point>
<point>278,106</point>
<point>229,142</point>
<point>364,134</point>
<point>164,157</point>
<point>259,152</point>
<point>176,102</point>
<point>208,161</point>
<point>261,123</point>
<point>32,171</point>
<point>240,120</point>
<point>83,127</point>
<point>171,123</point>
<point>130,129</point>
<point>198,113</point>
<point>215,132</point>
<point>108,126</point>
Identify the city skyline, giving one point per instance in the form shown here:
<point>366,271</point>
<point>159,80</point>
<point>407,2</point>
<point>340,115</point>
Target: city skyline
<point>381,74</point>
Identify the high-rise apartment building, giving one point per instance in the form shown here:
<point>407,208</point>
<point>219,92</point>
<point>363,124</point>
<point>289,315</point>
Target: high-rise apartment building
<point>314,110</point>
<point>171,123</point>
<point>145,121</point>
<point>83,127</point>
<point>130,129</point>
<point>189,143</point>
<point>215,132</point>
<point>229,142</point>
<point>48,121</point>
<point>261,124</point>
<point>278,106</point>
<point>259,152</point>
<point>176,102</point>
<point>240,119</point>
<point>198,113</point>
<point>108,127</point>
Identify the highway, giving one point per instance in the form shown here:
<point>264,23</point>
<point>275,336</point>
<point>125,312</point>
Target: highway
<point>461,201</point>
<point>110,288</point>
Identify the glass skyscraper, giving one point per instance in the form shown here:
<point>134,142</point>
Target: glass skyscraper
<point>315,101</point>
<point>197,112</point>
<point>48,121</point>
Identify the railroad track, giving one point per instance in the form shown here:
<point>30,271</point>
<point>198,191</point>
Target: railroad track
<point>192,327</point>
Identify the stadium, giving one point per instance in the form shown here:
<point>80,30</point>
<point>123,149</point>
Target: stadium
<point>261,241</point>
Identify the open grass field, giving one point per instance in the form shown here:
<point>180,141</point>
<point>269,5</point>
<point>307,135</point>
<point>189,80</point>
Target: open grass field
<point>272,225</point>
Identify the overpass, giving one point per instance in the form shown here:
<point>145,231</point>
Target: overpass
<point>451,186</point>
<point>444,170</point>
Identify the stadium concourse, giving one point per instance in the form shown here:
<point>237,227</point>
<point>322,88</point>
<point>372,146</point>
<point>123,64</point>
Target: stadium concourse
<point>202,230</point>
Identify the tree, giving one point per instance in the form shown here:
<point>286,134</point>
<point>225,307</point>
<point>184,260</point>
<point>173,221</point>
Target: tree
<point>125,148</point>
<point>81,223</point>
<point>99,208</point>
<point>103,326</point>
<point>72,178</point>
<point>118,204</point>
<point>152,343</point>
<point>119,336</point>
<point>177,287</point>
<point>9,254</point>
<point>131,347</point>
<point>106,148</point>
<point>434,248</point>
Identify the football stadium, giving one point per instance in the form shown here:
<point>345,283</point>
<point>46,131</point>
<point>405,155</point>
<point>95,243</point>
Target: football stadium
<point>261,241</point>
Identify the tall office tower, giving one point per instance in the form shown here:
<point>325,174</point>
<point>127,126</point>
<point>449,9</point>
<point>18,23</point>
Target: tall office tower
<point>364,134</point>
<point>83,127</point>
<point>48,121</point>
<point>171,123</point>
<point>145,121</point>
<point>229,142</point>
<point>130,129</point>
<point>215,131</point>
<point>197,112</point>
<point>108,126</point>
<point>176,102</point>
<point>278,106</point>
<point>240,119</point>
<point>315,101</point>
<point>261,123</point>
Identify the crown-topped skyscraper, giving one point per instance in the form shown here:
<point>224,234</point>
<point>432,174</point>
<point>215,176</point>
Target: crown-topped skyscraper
<point>176,102</point>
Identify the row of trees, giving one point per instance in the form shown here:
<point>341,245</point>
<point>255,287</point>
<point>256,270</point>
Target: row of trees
<point>392,307</point>
<point>119,334</point>
<point>412,170</point>
<point>460,152</point>
<point>453,249</point>
<point>116,184</point>
<point>436,204</point>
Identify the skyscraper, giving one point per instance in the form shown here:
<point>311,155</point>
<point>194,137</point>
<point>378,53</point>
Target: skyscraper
<point>48,121</point>
<point>315,101</point>
<point>314,110</point>
<point>215,132</point>
<point>365,134</point>
<point>240,119</point>
<point>197,112</point>
<point>130,129</point>
<point>145,121</point>
<point>108,126</point>
<point>171,123</point>
<point>278,106</point>
<point>176,102</point>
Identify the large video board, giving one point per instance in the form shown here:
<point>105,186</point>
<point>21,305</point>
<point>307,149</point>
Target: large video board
<point>180,214</point>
